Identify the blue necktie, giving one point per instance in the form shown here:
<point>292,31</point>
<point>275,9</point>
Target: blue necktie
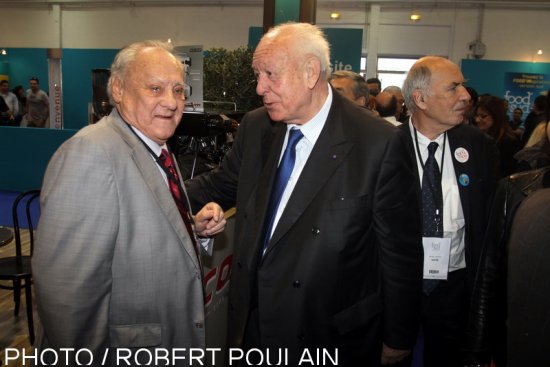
<point>432,206</point>
<point>281,179</point>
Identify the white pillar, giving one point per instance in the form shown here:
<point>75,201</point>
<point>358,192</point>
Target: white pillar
<point>372,45</point>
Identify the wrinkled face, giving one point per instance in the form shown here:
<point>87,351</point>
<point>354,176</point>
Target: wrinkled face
<point>446,101</point>
<point>483,120</point>
<point>344,86</point>
<point>282,82</point>
<point>151,97</point>
<point>4,88</point>
<point>34,85</point>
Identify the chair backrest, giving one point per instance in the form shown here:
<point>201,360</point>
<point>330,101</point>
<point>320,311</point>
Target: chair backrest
<point>26,198</point>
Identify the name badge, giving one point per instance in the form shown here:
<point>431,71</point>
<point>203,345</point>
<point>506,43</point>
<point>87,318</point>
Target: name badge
<point>436,257</point>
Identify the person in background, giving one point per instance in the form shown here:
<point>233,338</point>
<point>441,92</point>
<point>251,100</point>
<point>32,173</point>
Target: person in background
<point>117,259</point>
<point>516,123</point>
<point>401,113</point>
<point>11,102</point>
<point>386,105</point>
<point>456,177</point>
<point>469,117</point>
<point>328,251</point>
<point>375,86</point>
<point>38,105</point>
<point>22,101</point>
<point>536,153</point>
<point>491,118</point>
<point>528,288</point>
<point>351,85</point>
<point>536,116</point>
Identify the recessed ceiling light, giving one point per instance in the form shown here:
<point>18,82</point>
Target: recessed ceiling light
<point>415,17</point>
<point>335,15</point>
<point>539,52</point>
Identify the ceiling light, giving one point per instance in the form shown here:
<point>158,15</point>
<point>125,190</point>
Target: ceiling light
<point>415,17</point>
<point>3,52</point>
<point>335,15</point>
<point>539,52</point>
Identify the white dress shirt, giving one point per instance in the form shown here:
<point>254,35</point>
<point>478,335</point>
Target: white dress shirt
<point>453,216</point>
<point>311,131</point>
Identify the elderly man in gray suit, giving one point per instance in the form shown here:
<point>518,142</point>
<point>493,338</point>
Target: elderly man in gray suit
<point>116,265</point>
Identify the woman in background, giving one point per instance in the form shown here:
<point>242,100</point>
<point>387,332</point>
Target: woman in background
<point>491,118</point>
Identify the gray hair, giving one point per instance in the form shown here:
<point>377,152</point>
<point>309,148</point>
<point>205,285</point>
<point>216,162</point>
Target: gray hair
<point>360,88</point>
<point>419,77</point>
<point>393,89</point>
<point>126,57</point>
<point>307,39</point>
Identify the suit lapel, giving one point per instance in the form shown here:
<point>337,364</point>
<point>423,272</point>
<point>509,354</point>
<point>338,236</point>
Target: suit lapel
<point>463,170</point>
<point>328,153</point>
<point>153,179</point>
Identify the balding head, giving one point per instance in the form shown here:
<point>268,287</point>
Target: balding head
<point>386,104</point>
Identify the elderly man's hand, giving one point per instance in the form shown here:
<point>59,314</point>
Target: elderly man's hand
<point>209,221</point>
<point>391,356</point>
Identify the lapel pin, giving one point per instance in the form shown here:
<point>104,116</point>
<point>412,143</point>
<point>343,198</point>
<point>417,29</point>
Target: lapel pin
<point>464,179</point>
<point>462,155</point>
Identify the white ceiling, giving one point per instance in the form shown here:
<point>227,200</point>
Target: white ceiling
<point>341,4</point>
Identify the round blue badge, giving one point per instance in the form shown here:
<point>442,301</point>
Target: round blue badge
<point>464,179</point>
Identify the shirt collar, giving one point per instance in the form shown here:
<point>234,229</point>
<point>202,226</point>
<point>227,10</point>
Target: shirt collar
<point>157,149</point>
<point>312,128</point>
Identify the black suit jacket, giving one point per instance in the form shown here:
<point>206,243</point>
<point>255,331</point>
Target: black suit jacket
<point>345,260</point>
<point>482,169</point>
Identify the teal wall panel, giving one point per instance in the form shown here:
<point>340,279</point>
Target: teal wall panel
<point>25,153</point>
<point>76,68</point>
<point>77,82</point>
<point>345,46</point>
<point>488,76</point>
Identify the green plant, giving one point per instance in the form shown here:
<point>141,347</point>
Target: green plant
<point>228,77</point>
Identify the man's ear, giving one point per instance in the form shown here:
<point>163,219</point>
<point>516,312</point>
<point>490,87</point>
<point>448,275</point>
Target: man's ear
<point>419,99</point>
<point>312,71</point>
<point>362,101</point>
<point>117,90</point>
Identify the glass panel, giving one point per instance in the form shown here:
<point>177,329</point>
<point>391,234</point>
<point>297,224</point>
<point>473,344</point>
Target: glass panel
<point>390,64</point>
<point>388,79</point>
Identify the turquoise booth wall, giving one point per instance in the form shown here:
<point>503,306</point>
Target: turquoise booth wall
<point>488,76</point>
<point>25,153</point>
<point>76,68</point>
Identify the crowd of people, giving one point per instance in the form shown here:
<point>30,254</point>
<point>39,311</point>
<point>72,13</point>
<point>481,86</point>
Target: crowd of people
<point>24,108</point>
<point>380,239</point>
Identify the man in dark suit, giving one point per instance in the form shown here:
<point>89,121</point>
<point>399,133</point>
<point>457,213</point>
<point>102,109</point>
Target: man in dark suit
<point>466,161</point>
<point>340,266</point>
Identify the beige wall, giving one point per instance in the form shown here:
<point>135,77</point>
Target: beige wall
<point>508,34</point>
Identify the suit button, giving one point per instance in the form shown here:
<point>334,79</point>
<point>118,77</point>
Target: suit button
<point>296,284</point>
<point>315,231</point>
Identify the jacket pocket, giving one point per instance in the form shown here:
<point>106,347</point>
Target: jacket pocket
<point>357,315</point>
<point>135,336</point>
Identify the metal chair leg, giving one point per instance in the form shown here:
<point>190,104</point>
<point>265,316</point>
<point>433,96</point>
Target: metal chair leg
<point>28,296</point>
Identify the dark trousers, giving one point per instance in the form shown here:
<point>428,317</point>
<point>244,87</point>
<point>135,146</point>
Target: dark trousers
<point>444,315</point>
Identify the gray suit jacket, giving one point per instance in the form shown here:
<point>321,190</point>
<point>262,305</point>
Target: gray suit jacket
<point>113,264</point>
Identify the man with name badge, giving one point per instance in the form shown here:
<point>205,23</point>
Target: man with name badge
<point>457,174</point>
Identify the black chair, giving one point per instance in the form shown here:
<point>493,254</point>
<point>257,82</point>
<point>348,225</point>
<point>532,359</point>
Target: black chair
<point>18,268</point>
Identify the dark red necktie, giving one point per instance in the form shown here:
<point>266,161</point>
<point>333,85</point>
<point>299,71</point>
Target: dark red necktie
<point>173,183</point>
